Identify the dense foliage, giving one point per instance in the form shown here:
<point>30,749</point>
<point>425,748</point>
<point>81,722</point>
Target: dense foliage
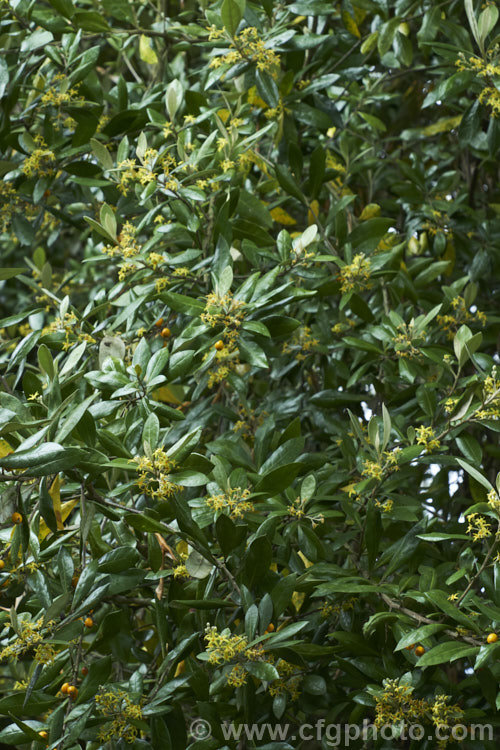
<point>249,408</point>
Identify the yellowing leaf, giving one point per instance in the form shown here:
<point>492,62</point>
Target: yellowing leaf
<point>298,599</point>
<point>257,160</point>
<point>55,494</point>
<point>370,211</point>
<point>65,510</point>
<point>182,548</point>
<point>359,14</point>
<point>224,115</point>
<point>444,125</point>
<point>449,254</point>
<point>5,448</point>
<point>304,559</point>
<point>282,217</point>
<point>350,24</point>
<point>254,99</point>
<point>166,395</point>
<point>313,213</point>
<point>180,668</point>
<point>146,51</point>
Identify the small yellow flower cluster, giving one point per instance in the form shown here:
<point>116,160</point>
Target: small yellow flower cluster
<point>493,412</point>
<point>127,245</point>
<point>154,478</point>
<point>67,325</point>
<point>491,97</point>
<point>478,65</point>
<point>21,684</point>
<point>276,112</point>
<point>302,343</point>
<point>396,705</point>
<point>288,682</point>
<point>45,653</point>
<point>10,204</point>
<point>223,647</point>
<point>180,571</point>
<point>41,162</point>
<point>228,312</point>
<point>491,397</point>
<point>125,270</point>
<point>248,421</point>
<point>154,260</point>
<point>182,272</point>
<point>355,275</point>
<point>142,173</point>
<point>246,47</point>
<point>226,360</point>
<point>373,470</point>
<point>386,506</point>
<point>237,677</point>
<point>235,500</point>
<point>117,704</point>
<point>297,510</point>
<point>451,323</point>
<point>494,500</point>
<point>426,437</point>
<point>450,404</point>
<point>486,69</point>
<point>29,637</point>
<point>225,311</point>
<point>376,470</point>
<point>478,526</point>
<point>328,609</point>
<point>57,96</point>
<point>343,327</point>
<point>404,342</point>
<point>444,715</point>
<point>161,284</point>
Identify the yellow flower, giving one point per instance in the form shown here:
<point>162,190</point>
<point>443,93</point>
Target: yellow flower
<point>426,437</point>
<point>355,275</point>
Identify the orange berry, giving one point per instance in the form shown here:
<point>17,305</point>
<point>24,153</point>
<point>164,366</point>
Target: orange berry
<point>159,322</point>
<point>492,638</point>
<point>2,565</point>
<point>419,650</point>
<point>65,687</point>
<point>73,692</point>
<point>16,518</point>
<point>219,345</point>
<point>88,622</point>
<point>75,580</point>
<point>270,628</point>
<point>43,734</point>
<point>85,671</point>
<point>165,333</point>
<point>410,648</point>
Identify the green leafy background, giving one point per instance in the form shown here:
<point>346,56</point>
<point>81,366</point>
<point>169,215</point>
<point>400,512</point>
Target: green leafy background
<point>249,287</point>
